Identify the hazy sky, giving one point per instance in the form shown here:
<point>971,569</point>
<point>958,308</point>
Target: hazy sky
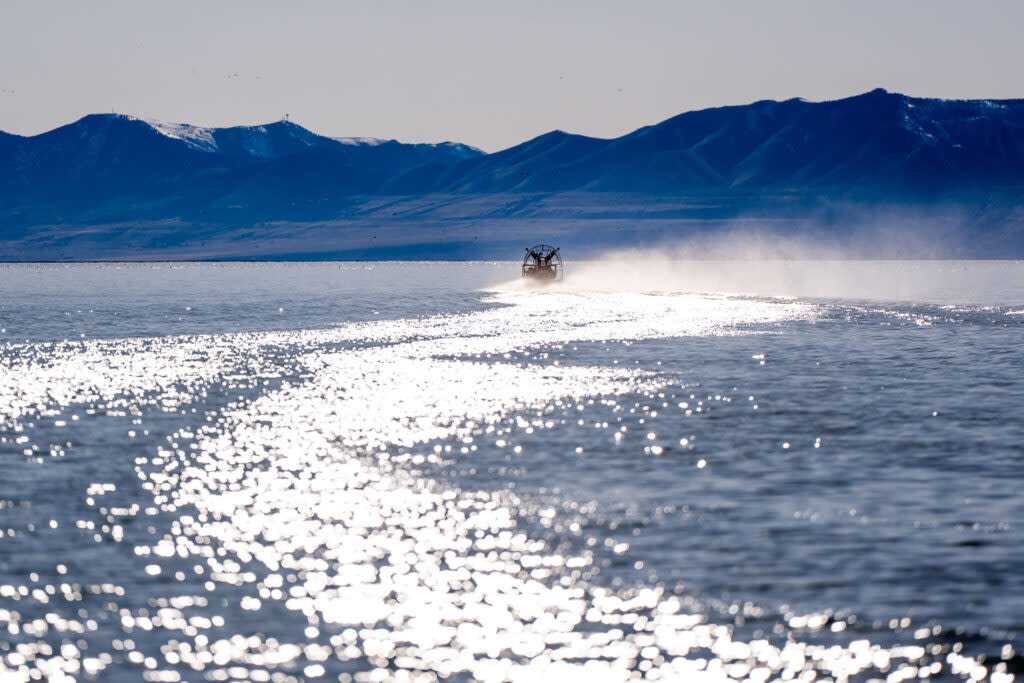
<point>486,73</point>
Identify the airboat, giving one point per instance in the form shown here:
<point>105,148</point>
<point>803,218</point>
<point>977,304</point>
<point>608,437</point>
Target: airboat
<point>543,263</point>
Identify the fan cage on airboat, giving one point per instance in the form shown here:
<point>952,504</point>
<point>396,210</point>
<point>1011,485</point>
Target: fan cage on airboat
<point>543,262</point>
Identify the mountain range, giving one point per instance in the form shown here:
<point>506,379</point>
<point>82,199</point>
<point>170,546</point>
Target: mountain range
<point>112,186</point>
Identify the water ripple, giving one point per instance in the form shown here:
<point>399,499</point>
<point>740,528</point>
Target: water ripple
<point>290,535</point>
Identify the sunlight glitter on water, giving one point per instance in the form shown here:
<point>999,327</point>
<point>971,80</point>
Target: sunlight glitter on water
<point>299,503</point>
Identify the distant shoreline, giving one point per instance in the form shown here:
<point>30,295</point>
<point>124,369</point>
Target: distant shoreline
<point>500,260</point>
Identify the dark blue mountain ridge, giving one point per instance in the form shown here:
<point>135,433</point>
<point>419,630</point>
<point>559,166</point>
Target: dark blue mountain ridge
<point>109,155</point>
<point>109,185</point>
<point>877,141</point>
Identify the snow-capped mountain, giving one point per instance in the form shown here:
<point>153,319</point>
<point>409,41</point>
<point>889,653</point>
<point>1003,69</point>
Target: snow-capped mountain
<point>263,142</point>
<point>196,137</point>
<point>111,155</point>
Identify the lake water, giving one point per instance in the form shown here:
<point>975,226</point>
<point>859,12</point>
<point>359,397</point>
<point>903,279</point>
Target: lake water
<point>422,471</point>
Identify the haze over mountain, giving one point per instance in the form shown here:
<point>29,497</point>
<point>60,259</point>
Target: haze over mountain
<point>112,186</point>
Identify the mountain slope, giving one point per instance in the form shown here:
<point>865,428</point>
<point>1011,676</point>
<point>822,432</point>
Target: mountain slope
<point>265,142</point>
<point>96,154</point>
<point>878,141</point>
<point>105,156</point>
<point>115,185</point>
